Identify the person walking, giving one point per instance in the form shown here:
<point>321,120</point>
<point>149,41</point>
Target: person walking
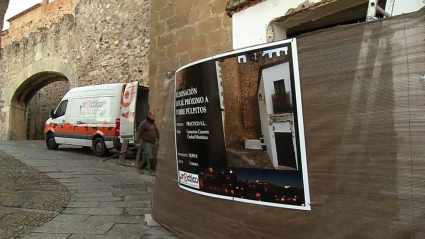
<point>147,147</point>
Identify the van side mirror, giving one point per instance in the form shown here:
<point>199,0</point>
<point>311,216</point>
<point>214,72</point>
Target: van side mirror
<point>52,114</point>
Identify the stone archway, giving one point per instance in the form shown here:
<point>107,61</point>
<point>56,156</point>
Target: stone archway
<point>31,79</point>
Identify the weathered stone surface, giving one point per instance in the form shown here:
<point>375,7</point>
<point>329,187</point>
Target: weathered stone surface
<point>93,212</point>
<point>78,236</point>
<point>150,221</point>
<point>238,5</point>
<point>112,46</point>
<point>74,227</point>
<point>28,198</point>
<point>101,194</point>
<point>132,229</point>
<point>70,218</point>
<point>193,30</point>
<point>116,219</point>
<point>137,211</point>
<point>82,204</point>
<point>120,204</point>
<point>138,198</point>
<point>40,105</point>
<point>36,235</point>
<point>98,199</point>
<point>101,42</point>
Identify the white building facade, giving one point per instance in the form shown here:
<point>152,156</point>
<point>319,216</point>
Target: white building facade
<point>259,22</point>
<point>277,123</point>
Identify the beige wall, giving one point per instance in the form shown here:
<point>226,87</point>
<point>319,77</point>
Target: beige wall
<point>88,48</point>
<point>25,19</point>
<point>43,16</point>
<point>181,32</point>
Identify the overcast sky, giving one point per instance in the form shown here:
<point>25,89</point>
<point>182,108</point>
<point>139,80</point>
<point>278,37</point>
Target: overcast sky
<point>17,6</point>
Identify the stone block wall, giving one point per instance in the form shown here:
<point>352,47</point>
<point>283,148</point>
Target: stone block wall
<point>50,13</point>
<point>51,96</point>
<point>111,41</point>
<point>248,76</point>
<point>240,84</point>
<point>39,51</point>
<point>105,42</point>
<point>232,102</point>
<point>181,32</point>
<point>40,105</point>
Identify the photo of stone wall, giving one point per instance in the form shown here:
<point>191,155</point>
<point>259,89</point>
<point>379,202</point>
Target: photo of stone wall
<point>257,133</point>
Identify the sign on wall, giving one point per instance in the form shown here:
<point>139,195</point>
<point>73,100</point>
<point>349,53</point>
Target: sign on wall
<point>214,118</point>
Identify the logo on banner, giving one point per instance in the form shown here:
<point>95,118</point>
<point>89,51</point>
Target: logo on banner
<point>128,95</point>
<point>188,179</point>
<point>94,107</point>
<point>95,104</point>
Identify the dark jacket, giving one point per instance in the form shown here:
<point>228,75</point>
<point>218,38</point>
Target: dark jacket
<point>148,132</point>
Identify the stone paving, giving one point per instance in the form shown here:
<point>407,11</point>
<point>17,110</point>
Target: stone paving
<point>107,200</point>
<point>28,198</point>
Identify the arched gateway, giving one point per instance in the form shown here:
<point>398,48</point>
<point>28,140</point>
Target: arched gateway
<point>17,96</point>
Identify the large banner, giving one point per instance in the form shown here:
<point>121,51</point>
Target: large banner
<point>239,127</point>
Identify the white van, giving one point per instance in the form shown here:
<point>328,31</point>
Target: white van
<point>98,117</point>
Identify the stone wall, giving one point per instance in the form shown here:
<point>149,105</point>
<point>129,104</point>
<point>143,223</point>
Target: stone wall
<point>40,105</point>
<point>181,32</point>
<point>51,13</point>
<point>106,42</point>
<point>232,102</point>
<point>239,5</point>
<point>240,84</point>
<point>111,41</point>
<point>248,76</point>
<point>40,51</point>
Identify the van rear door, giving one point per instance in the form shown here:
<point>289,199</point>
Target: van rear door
<point>128,110</point>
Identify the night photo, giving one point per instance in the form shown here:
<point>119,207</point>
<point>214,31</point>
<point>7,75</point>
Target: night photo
<point>274,186</point>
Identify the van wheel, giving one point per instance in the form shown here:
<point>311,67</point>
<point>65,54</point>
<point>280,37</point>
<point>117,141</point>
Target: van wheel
<point>99,147</point>
<point>51,142</point>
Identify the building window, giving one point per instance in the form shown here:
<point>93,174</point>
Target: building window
<point>281,99</point>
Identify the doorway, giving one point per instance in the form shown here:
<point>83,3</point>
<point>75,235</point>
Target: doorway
<point>142,106</point>
<point>285,150</point>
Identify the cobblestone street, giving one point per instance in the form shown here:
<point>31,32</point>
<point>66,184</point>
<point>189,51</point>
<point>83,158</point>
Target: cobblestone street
<point>105,200</point>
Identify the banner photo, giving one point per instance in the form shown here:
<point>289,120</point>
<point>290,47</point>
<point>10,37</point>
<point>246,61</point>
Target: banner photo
<point>239,127</point>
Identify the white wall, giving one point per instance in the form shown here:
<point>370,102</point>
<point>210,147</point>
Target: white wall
<point>284,127</point>
<point>250,25</point>
<point>407,6</point>
<point>268,76</point>
<point>271,75</point>
<point>266,129</point>
<point>220,91</point>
